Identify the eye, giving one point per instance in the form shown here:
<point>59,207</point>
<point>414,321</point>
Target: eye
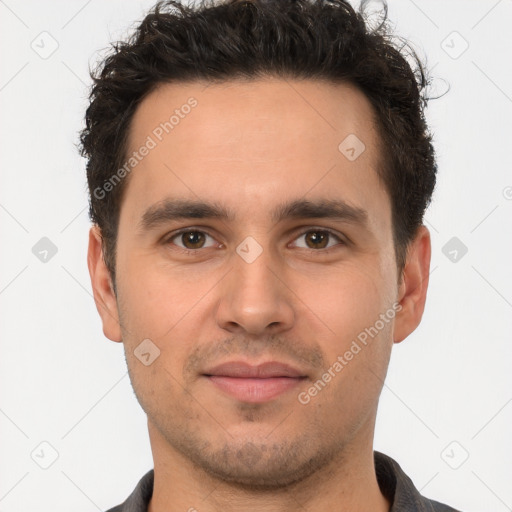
<point>319,239</point>
<point>190,239</point>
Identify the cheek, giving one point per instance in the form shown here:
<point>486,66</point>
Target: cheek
<point>358,351</point>
<point>356,311</point>
<point>155,297</point>
<point>346,300</point>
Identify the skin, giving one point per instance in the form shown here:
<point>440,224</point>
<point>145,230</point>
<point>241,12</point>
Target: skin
<point>250,146</point>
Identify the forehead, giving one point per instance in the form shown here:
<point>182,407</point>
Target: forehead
<point>223,112</point>
<point>251,142</point>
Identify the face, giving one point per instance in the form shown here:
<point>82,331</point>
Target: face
<point>255,257</point>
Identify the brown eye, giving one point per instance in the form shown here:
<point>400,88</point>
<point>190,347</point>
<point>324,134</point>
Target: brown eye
<point>319,239</point>
<point>194,238</point>
<point>191,239</point>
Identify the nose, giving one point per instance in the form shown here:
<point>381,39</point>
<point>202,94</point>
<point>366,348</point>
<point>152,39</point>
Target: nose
<point>255,298</point>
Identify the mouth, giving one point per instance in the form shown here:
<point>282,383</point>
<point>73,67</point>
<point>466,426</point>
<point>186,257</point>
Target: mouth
<point>254,384</point>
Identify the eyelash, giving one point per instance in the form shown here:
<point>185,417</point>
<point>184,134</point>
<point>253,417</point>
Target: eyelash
<point>169,239</point>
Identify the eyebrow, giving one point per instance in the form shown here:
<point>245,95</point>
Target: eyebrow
<point>178,209</point>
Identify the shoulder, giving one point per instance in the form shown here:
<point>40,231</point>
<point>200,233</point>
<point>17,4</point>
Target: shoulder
<point>400,490</point>
<point>139,499</point>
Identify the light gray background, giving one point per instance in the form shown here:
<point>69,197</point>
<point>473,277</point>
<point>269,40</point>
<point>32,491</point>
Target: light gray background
<point>448,392</point>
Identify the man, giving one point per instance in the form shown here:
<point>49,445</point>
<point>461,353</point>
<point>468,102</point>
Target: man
<point>258,173</point>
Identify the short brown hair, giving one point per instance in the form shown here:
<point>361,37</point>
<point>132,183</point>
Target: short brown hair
<point>223,40</point>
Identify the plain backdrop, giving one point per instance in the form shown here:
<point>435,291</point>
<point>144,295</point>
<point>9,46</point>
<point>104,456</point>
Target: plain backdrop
<point>73,436</point>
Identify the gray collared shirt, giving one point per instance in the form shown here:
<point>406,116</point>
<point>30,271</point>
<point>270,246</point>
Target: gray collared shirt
<point>396,486</point>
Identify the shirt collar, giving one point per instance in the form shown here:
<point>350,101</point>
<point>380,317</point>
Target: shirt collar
<point>396,486</point>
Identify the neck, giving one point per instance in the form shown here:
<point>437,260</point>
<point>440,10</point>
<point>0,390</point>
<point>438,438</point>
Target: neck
<point>349,483</point>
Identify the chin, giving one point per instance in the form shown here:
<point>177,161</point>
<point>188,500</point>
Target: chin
<point>261,466</point>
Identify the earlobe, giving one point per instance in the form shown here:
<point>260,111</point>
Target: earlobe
<point>413,287</point>
<point>104,296</point>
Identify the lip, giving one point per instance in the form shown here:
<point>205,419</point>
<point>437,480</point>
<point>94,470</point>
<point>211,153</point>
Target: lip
<point>241,369</point>
<point>254,383</point>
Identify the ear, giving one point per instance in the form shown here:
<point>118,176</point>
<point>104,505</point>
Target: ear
<point>412,291</point>
<point>104,296</point>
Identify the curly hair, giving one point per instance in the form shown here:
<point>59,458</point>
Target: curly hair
<point>250,39</point>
